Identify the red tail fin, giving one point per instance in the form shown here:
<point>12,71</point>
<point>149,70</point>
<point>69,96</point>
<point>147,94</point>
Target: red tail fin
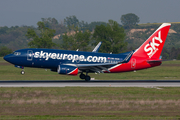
<point>152,47</point>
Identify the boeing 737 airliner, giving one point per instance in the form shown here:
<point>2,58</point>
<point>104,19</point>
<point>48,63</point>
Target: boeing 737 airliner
<point>74,62</point>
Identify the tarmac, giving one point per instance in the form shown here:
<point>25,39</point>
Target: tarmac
<point>93,83</point>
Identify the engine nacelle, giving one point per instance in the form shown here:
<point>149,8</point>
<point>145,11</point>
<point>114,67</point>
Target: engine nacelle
<point>66,69</point>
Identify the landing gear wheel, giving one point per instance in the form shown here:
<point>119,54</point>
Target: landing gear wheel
<point>87,78</point>
<point>82,76</point>
<point>22,72</point>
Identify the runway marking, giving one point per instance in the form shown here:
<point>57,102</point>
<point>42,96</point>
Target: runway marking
<point>147,84</point>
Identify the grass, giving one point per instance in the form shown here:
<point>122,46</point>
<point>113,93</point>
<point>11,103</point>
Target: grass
<point>1,59</point>
<point>89,103</point>
<point>169,70</point>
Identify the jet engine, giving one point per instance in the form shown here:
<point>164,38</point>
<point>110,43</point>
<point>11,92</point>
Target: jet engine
<point>67,69</point>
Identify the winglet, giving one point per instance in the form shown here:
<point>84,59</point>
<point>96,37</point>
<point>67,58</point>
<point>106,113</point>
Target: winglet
<point>96,49</point>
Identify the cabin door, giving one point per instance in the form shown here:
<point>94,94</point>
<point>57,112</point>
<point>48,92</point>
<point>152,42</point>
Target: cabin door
<point>29,55</point>
<point>133,63</point>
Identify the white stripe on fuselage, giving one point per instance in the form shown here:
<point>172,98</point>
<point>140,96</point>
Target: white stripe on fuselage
<point>114,67</point>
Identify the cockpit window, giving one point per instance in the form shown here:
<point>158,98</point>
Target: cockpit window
<point>17,53</point>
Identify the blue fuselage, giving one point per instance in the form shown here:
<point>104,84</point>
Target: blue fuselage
<point>51,58</point>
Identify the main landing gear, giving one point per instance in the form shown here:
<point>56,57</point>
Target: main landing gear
<point>86,77</point>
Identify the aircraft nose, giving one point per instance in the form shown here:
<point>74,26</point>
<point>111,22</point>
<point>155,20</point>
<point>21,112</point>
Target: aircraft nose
<point>7,58</point>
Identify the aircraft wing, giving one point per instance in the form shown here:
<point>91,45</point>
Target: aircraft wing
<point>96,49</point>
<point>100,67</point>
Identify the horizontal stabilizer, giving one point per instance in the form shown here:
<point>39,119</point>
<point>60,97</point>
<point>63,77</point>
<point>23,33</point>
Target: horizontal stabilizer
<point>154,62</point>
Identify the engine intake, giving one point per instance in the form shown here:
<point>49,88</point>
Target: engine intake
<point>66,69</point>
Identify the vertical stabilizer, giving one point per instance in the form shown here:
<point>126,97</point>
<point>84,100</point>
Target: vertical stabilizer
<point>152,47</point>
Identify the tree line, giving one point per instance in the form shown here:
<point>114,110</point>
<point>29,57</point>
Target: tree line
<point>111,35</point>
<point>75,34</point>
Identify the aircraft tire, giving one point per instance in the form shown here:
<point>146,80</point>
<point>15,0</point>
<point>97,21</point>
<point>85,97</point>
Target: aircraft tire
<point>82,76</point>
<point>22,72</point>
<point>87,78</point>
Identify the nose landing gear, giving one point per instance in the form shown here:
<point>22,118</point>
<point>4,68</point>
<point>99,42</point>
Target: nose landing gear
<point>22,67</point>
<point>23,72</point>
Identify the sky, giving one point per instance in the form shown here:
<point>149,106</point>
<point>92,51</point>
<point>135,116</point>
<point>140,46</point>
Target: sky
<point>29,12</point>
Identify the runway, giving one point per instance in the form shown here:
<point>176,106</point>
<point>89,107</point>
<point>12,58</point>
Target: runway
<point>94,83</point>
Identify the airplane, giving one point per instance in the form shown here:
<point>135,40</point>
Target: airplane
<point>78,62</point>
